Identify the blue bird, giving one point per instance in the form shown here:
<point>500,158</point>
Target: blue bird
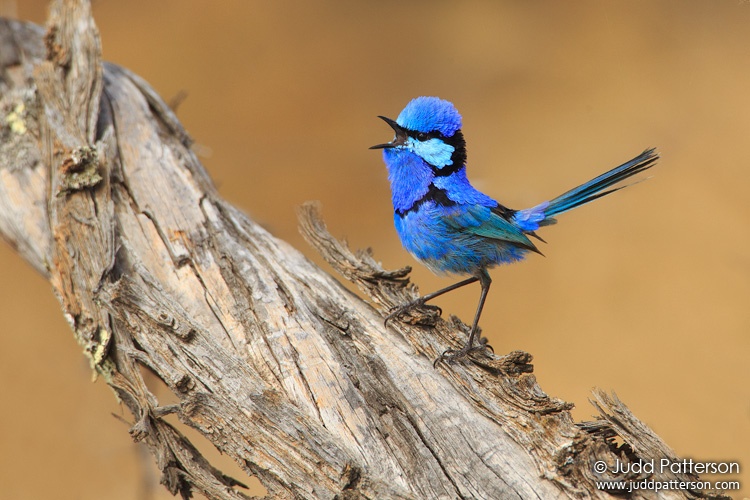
<point>451,227</point>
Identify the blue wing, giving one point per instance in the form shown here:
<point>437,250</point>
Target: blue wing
<point>483,221</point>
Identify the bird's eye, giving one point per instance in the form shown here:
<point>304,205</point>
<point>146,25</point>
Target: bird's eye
<point>421,136</point>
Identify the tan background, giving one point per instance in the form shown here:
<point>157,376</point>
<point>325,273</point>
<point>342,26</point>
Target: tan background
<point>645,293</point>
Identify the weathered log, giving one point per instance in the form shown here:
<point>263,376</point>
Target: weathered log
<point>272,360</point>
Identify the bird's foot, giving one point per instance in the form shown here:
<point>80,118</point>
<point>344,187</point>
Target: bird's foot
<point>415,319</point>
<point>452,355</point>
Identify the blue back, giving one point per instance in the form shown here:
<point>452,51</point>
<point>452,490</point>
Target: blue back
<point>442,219</point>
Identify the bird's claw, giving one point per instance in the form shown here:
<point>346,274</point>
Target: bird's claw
<point>483,342</point>
<point>400,310</point>
<point>452,355</point>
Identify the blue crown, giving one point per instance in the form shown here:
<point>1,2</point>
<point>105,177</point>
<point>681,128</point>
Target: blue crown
<point>427,114</point>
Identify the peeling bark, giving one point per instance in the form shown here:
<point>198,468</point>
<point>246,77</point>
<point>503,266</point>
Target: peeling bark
<point>272,359</point>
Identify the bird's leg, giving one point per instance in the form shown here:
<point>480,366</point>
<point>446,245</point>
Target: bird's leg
<point>421,300</point>
<point>450,355</point>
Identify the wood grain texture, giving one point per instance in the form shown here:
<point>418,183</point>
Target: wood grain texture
<point>272,360</point>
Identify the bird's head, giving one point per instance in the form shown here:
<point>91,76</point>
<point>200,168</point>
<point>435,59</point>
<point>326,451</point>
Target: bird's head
<point>429,127</point>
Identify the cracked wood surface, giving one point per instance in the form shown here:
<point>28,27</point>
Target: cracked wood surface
<point>272,360</point>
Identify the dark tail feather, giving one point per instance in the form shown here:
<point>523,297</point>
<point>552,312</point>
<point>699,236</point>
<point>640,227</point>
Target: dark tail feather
<point>595,188</point>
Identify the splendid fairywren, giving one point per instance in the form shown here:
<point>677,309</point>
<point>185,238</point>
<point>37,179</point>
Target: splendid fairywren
<point>449,226</point>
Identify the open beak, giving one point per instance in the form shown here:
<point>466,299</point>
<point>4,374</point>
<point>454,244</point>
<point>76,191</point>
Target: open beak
<point>400,138</point>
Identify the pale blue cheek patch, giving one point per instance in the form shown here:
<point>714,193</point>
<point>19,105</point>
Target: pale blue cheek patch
<point>435,152</point>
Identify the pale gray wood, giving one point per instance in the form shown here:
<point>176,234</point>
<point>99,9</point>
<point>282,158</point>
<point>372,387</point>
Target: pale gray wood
<point>272,359</point>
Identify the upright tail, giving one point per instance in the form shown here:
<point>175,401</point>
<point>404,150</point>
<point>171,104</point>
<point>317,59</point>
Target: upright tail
<point>595,188</point>
<point>544,213</point>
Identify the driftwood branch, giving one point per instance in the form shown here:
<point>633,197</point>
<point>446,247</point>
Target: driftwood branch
<point>272,360</point>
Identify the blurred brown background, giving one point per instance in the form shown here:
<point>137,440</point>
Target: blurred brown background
<point>645,293</point>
